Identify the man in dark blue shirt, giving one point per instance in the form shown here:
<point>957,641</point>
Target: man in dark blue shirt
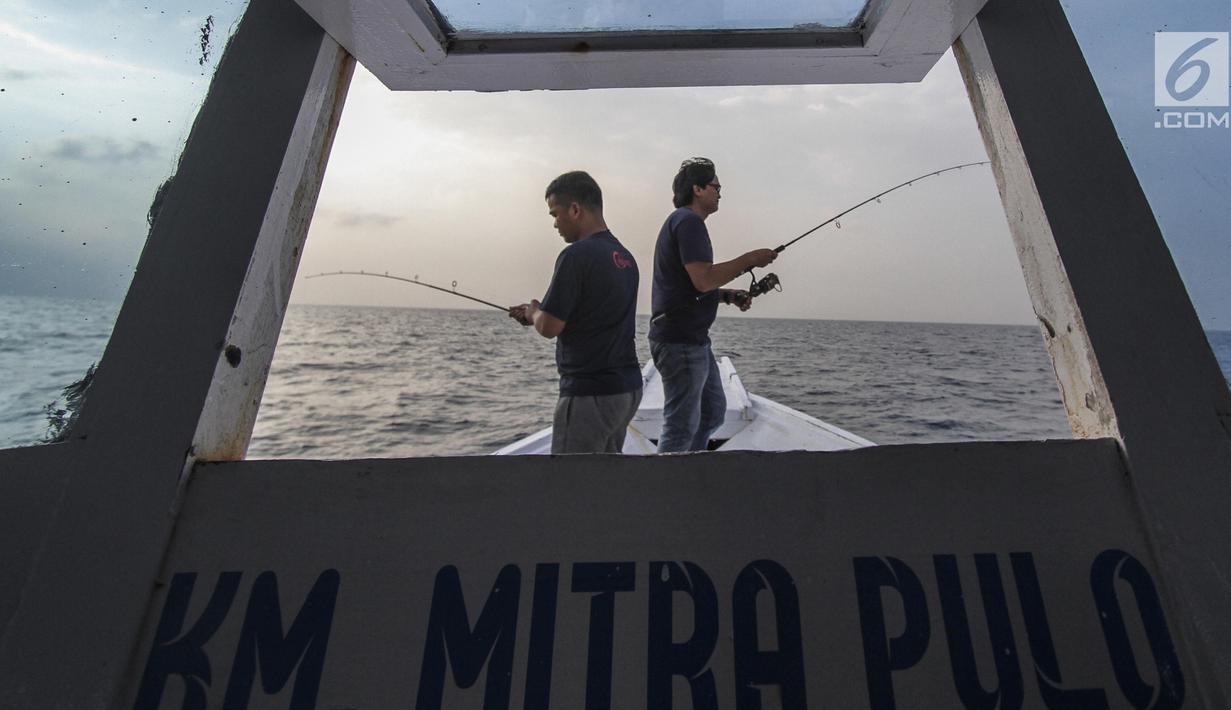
<point>589,309</point>
<point>687,291</point>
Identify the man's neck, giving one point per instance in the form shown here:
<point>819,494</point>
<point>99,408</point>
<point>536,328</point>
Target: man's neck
<point>697,210</point>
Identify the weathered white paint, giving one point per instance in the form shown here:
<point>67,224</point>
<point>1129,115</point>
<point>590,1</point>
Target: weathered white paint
<point>1081,384</point>
<point>243,366</point>
<point>927,28</point>
<point>417,18</point>
<point>1128,348</point>
<point>400,43</point>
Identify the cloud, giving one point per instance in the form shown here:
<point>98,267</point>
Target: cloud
<point>65,53</point>
<point>355,218</point>
<point>11,74</point>
<point>103,150</point>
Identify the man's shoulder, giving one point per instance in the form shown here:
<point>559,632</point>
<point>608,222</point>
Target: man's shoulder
<point>681,221</point>
<point>684,215</point>
<point>601,243</point>
<point>684,221</point>
<point>598,248</point>
<point>579,248</point>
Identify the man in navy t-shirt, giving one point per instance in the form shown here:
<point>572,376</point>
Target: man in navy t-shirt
<point>687,291</point>
<point>589,309</point>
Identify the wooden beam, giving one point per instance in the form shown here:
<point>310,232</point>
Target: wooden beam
<point>1129,351</point>
<point>234,398</point>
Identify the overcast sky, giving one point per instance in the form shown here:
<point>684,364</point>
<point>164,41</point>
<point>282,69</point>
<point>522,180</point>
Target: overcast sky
<point>448,186</point>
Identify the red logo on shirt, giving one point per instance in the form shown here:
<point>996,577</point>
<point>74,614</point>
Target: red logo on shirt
<point>620,262</point>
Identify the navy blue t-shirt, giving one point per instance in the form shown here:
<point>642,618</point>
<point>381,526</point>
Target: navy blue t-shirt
<point>594,291</point>
<point>683,239</point>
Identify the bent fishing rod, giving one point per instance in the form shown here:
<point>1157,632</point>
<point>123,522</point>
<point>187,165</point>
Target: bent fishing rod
<point>771,282</point>
<point>415,281</point>
<point>876,197</point>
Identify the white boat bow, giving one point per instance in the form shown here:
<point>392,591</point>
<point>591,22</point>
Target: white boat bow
<point>753,423</point>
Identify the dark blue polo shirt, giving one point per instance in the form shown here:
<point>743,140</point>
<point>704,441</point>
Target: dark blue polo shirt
<point>689,313</point>
<point>594,291</point>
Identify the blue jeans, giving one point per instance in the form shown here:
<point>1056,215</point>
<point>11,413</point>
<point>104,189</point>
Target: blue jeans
<point>693,401</point>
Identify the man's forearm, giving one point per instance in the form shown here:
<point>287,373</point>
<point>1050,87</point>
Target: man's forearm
<point>719,275</point>
<point>546,324</point>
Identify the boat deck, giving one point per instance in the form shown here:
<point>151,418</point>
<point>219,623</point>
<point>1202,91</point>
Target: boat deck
<point>753,423</point>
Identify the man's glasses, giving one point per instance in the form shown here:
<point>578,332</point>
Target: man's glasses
<point>716,186</point>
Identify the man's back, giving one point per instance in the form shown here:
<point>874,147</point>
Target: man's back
<point>595,292</point>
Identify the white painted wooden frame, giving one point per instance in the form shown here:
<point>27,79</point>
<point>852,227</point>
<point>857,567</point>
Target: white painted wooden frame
<point>405,46</point>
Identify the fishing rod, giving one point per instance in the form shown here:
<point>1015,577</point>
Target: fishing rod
<point>876,197</point>
<point>415,281</point>
<point>771,282</point>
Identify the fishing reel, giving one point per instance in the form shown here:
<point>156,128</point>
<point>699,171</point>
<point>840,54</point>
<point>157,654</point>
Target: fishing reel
<point>764,285</point>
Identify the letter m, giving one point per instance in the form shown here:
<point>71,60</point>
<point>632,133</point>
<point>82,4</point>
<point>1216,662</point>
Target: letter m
<point>303,646</point>
<point>452,642</point>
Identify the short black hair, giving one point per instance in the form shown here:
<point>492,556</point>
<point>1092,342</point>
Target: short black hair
<point>576,186</point>
<point>694,172</point>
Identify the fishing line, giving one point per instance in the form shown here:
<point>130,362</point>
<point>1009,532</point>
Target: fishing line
<point>414,281</point>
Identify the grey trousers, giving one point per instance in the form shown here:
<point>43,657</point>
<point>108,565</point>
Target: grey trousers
<point>593,425</point>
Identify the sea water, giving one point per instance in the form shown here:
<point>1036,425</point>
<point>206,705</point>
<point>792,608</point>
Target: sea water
<point>350,382</point>
<point>46,344</point>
